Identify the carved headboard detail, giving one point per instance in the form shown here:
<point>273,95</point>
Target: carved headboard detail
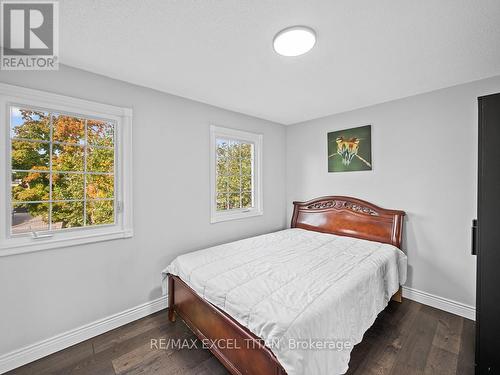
<point>351,217</point>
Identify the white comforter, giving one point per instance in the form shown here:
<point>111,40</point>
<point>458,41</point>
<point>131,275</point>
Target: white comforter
<point>308,295</point>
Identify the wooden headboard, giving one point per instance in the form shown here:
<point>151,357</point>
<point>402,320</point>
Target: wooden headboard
<point>351,217</point>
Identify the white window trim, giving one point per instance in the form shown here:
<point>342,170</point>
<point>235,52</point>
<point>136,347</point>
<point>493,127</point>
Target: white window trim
<point>123,228</point>
<point>257,209</point>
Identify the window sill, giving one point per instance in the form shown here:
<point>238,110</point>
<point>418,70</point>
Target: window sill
<point>227,216</point>
<point>33,245</point>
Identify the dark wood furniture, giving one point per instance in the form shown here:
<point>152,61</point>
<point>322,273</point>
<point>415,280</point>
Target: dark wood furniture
<point>243,352</point>
<point>346,216</point>
<point>488,238</point>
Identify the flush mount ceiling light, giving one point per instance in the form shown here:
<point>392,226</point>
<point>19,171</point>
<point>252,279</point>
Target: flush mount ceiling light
<point>294,41</point>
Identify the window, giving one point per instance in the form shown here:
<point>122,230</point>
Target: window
<point>69,171</point>
<point>236,174</point>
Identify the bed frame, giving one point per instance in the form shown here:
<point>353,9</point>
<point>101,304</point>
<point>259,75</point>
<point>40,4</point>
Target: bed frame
<point>239,350</point>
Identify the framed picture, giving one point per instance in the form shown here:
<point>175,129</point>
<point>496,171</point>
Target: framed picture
<point>350,150</point>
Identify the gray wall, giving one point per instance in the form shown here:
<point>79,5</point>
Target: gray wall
<point>425,162</point>
<point>49,292</point>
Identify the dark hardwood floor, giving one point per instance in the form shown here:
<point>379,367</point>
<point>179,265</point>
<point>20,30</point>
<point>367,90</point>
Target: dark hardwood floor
<point>407,338</point>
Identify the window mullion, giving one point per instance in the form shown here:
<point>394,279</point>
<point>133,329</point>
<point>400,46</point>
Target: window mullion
<point>85,144</point>
<point>241,178</point>
<point>227,177</point>
<point>252,171</point>
<point>51,133</point>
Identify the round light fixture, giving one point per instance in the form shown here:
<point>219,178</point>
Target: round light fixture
<point>294,41</point>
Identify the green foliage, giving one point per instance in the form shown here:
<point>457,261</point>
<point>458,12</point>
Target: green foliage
<point>67,186</point>
<point>234,175</point>
<point>30,155</point>
<point>100,212</point>
<point>36,125</point>
<point>70,214</point>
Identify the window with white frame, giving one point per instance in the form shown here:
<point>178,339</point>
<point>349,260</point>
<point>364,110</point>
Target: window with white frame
<point>236,174</point>
<point>69,171</point>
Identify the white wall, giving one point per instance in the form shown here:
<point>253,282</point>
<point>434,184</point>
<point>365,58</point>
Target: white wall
<point>46,293</point>
<point>424,162</point>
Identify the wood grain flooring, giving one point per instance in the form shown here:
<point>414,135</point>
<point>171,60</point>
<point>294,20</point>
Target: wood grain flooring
<point>406,339</point>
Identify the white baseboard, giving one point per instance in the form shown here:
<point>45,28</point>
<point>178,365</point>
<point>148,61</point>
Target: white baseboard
<point>43,348</point>
<point>440,303</point>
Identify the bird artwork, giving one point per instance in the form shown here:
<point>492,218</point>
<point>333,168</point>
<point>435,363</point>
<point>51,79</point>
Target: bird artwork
<point>350,150</point>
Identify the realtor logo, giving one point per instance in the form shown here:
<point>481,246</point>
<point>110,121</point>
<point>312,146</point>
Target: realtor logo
<point>29,35</point>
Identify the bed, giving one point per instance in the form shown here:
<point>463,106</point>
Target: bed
<point>294,301</point>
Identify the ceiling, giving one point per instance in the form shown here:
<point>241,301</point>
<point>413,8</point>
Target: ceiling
<point>220,51</point>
